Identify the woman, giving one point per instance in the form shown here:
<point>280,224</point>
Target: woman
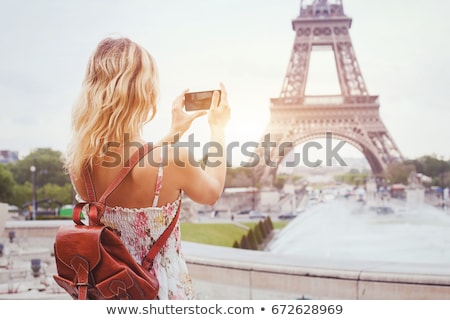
<point>118,97</point>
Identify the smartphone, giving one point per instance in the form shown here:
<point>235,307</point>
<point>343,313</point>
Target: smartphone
<point>200,100</point>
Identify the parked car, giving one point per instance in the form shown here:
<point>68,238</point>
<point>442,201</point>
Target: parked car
<point>287,216</point>
<point>256,215</point>
<point>384,210</point>
<point>13,209</point>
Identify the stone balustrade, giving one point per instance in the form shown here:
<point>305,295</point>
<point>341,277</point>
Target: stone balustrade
<point>228,273</point>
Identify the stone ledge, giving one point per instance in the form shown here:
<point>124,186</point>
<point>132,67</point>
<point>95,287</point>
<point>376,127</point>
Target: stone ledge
<point>247,274</point>
<point>228,273</point>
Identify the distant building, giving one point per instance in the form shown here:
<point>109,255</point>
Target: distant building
<point>8,156</point>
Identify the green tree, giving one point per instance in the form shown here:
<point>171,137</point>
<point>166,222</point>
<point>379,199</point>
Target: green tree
<point>269,223</point>
<point>280,181</point>
<point>444,180</point>
<point>62,194</point>
<point>244,242</point>
<point>22,193</point>
<point>6,184</point>
<point>398,172</point>
<point>51,180</point>
<point>296,179</point>
<point>239,177</point>
<point>266,228</point>
<point>353,177</point>
<point>433,167</point>
<point>262,229</point>
<point>49,168</point>
<point>258,234</point>
<point>252,241</point>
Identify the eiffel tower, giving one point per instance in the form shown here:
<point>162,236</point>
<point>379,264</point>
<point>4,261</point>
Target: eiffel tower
<point>352,116</point>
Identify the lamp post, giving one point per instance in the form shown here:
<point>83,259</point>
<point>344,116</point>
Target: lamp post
<point>442,181</point>
<point>253,193</point>
<point>33,182</point>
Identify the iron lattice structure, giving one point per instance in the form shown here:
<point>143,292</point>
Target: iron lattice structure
<point>353,116</point>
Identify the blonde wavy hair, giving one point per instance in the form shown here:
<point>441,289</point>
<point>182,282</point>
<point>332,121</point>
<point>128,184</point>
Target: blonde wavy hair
<point>118,96</point>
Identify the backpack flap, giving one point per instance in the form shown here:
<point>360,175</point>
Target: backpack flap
<point>116,286</point>
<point>78,241</point>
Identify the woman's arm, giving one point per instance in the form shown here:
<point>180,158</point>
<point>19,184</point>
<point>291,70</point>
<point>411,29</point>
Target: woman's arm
<point>206,186</point>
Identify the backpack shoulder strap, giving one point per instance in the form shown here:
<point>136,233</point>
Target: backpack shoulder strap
<point>128,166</point>
<point>147,262</point>
<point>96,207</point>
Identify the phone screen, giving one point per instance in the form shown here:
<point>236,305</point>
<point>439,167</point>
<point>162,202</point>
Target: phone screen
<point>198,100</point>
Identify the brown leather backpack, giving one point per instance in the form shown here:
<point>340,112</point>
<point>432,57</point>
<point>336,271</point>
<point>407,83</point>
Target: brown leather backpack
<point>93,263</point>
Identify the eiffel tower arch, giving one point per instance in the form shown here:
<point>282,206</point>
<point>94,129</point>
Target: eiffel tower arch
<point>352,116</point>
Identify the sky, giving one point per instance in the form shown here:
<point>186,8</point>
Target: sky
<point>401,46</point>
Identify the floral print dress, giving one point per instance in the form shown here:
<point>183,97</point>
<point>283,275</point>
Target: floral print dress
<point>140,228</point>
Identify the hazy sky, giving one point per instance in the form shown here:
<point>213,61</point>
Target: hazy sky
<point>401,46</point>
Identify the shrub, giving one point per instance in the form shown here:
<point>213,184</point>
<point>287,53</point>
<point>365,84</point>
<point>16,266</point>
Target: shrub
<point>262,229</point>
<point>253,244</point>
<point>244,242</point>
<point>258,234</point>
